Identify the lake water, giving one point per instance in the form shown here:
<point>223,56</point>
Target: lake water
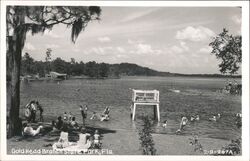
<point>197,96</point>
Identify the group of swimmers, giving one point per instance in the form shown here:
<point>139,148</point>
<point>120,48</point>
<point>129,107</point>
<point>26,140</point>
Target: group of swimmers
<point>184,121</point>
<point>102,117</point>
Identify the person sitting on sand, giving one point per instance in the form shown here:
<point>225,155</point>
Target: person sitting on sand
<point>63,141</point>
<point>59,123</point>
<point>83,137</point>
<point>97,139</point>
<point>165,123</point>
<point>29,131</point>
<point>65,116</point>
<point>74,124</point>
<point>70,117</point>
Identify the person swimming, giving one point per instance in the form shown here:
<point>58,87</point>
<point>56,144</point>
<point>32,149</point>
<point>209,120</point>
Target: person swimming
<point>214,118</point>
<point>197,118</point>
<point>104,117</point>
<point>192,119</point>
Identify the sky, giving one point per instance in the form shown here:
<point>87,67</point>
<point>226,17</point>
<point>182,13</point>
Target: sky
<point>170,39</point>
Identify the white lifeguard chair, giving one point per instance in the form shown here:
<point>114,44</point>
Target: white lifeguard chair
<point>146,97</point>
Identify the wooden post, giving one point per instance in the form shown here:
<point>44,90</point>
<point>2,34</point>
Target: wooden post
<point>134,109</point>
<point>155,115</point>
<point>158,112</point>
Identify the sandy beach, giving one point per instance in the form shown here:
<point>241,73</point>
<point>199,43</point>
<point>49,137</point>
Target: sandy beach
<point>128,143</point>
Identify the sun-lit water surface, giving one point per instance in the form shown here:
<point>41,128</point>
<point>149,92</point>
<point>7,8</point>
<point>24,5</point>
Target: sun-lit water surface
<point>197,96</point>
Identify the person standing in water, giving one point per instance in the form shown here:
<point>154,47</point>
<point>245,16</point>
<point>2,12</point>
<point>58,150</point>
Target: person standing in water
<point>83,113</point>
<point>183,123</point>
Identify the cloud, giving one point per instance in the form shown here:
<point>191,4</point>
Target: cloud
<point>142,48</point>
<point>120,49</point>
<point>195,34</point>
<point>104,39</point>
<point>207,49</point>
<point>107,51</point>
<point>184,45</point>
<point>236,19</point>
<point>29,46</point>
<point>179,48</point>
<point>176,49</point>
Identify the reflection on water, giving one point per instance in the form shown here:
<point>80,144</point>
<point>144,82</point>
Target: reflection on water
<point>196,97</point>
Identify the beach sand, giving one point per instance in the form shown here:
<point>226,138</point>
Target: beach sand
<point>127,143</point>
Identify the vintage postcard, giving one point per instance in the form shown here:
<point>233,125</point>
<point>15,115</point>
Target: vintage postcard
<point>109,80</point>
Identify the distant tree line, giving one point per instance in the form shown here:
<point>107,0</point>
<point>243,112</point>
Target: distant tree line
<point>92,69</point>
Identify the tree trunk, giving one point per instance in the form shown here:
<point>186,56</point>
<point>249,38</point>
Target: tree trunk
<point>15,51</point>
<point>15,47</point>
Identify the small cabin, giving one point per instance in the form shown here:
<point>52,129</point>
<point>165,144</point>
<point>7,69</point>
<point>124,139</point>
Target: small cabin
<point>146,97</point>
<point>55,75</point>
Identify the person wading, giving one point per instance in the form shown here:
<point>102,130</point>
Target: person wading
<point>83,113</point>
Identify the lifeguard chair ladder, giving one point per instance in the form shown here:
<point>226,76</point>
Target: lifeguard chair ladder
<point>146,97</point>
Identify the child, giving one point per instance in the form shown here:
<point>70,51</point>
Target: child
<point>165,123</point>
<point>74,124</point>
<point>97,139</point>
<point>65,116</point>
<point>94,116</point>
<point>70,117</point>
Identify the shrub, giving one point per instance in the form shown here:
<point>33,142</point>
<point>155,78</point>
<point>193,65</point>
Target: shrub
<point>147,143</point>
